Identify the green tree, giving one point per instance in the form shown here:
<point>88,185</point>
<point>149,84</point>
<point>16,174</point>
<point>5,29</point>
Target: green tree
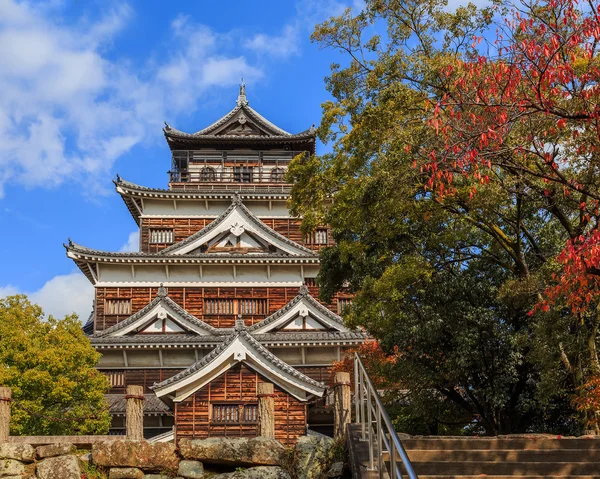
<point>50,366</point>
<point>449,276</point>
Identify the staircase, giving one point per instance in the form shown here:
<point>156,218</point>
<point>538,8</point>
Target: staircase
<point>496,458</point>
<point>376,451</point>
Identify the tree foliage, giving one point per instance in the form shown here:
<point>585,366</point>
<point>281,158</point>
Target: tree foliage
<point>461,192</point>
<point>50,366</point>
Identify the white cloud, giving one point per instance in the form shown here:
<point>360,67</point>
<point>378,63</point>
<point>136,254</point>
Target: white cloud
<point>308,14</point>
<point>67,111</point>
<point>281,46</point>
<point>133,243</point>
<point>61,295</point>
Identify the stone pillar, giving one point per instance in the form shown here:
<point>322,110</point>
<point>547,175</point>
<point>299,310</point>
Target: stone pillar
<point>341,403</point>
<point>266,409</point>
<point>134,419</point>
<point>5,398</point>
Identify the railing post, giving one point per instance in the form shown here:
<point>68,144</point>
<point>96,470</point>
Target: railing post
<point>370,430</point>
<point>134,419</point>
<point>363,416</point>
<point>266,410</point>
<point>379,444</point>
<point>356,386</point>
<point>342,403</point>
<point>5,399</point>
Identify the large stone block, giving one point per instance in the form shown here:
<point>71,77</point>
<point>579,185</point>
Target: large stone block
<point>123,453</point>
<point>312,456</point>
<point>65,467</point>
<point>125,473</point>
<point>261,472</point>
<point>19,452</point>
<point>240,451</point>
<point>10,467</point>
<point>53,450</point>
<point>191,469</point>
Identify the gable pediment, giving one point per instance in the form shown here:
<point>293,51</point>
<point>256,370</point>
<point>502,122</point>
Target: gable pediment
<point>239,347</point>
<point>161,316</point>
<point>303,313</point>
<point>237,230</point>
<point>240,125</point>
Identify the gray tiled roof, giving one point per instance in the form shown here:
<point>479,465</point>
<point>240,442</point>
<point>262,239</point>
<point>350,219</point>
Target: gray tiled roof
<point>270,357</point>
<point>272,130</point>
<point>237,203</point>
<point>77,248</point>
<point>152,405</point>
<point>195,340</point>
<point>191,194</point>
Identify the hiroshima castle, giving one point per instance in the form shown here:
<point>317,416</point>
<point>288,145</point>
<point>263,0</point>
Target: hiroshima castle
<point>222,295</point>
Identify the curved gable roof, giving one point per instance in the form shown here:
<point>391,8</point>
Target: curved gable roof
<point>239,347</point>
<point>146,315</point>
<point>290,311</point>
<point>217,226</point>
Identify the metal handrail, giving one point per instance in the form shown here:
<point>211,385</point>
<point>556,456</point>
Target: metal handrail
<point>375,421</point>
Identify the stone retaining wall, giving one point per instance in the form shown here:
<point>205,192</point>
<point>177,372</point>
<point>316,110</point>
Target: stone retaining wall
<point>215,458</point>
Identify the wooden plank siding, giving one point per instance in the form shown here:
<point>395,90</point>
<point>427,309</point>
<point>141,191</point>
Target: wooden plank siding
<point>192,299</point>
<point>140,377</point>
<point>185,227</point>
<point>238,385</point>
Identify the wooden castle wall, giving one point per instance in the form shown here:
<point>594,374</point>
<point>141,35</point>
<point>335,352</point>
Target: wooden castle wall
<point>192,299</point>
<point>185,227</point>
<point>193,416</point>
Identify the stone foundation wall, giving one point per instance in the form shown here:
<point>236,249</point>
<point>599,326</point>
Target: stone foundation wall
<point>215,458</point>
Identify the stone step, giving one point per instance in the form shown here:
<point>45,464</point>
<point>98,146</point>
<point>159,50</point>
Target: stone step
<point>504,477</point>
<point>433,443</point>
<point>552,469</point>
<point>507,455</point>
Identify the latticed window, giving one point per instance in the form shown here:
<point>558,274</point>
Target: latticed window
<point>277,175</point>
<point>235,306</point>
<point>219,306</point>
<point>163,235</point>
<point>116,379</point>
<point>208,174</point>
<point>320,236</point>
<point>243,174</point>
<point>252,306</point>
<point>234,413</point>
<point>117,306</point>
<point>343,303</point>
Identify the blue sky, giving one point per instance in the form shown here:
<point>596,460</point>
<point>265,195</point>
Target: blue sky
<point>85,89</point>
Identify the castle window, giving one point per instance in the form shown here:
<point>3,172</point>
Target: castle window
<point>235,306</point>
<point>243,174</point>
<point>343,303</point>
<point>161,236</point>
<point>219,306</point>
<point>320,236</point>
<point>116,379</point>
<point>117,307</point>
<point>252,306</point>
<point>235,413</point>
<point>277,175</point>
<point>208,174</point>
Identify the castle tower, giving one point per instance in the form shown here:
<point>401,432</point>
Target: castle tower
<point>222,294</point>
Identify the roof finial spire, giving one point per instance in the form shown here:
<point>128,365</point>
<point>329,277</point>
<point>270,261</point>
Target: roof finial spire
<point>242,100</point>
<point>162,291</point>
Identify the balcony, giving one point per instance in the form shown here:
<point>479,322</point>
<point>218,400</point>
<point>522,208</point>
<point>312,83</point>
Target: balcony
<point>219,171</point>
